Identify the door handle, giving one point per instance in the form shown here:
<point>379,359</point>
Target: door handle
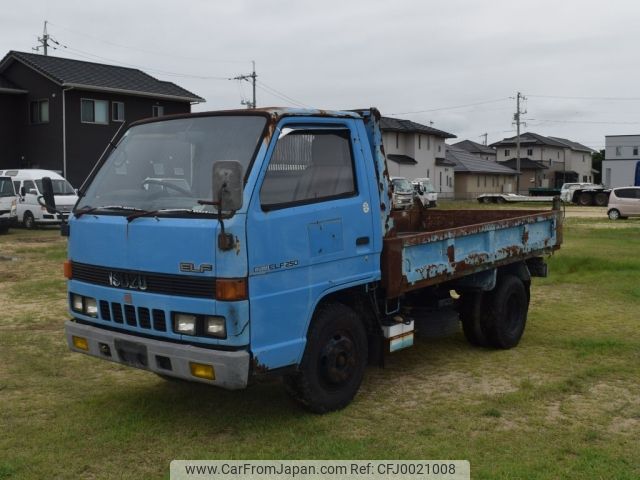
<point>362,241</point>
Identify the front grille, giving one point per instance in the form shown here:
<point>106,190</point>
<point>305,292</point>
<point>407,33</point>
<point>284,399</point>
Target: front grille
<point>142,319</point>
<point>116,310</point>
<point>130,315</point>
<point>105,313</point>
<point>159,322</point>
<point>180,285</point>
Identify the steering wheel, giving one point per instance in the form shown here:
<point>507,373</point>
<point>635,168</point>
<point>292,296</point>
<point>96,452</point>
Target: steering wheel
<point>152,181</point>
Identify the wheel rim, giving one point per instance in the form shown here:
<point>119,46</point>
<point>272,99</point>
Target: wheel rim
<point>513,315</point>
<point>338,360</point>
<point>28,221</point>
<point>614,215</point>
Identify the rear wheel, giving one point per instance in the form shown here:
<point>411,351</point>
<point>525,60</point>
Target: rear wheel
<point>614,214</point>
<point>28,221</point>
<point>334,360</point>
<point>506,316</point>
<point>472,318</point>
<point>601,199</point>
<point>584,199</point>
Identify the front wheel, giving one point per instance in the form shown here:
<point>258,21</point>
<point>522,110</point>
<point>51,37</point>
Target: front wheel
<point>614,214</point>
<point>584,199</point>
<point>334,360</point>
<point>28,221</point>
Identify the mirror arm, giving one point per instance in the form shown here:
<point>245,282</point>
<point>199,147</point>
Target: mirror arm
<point>225,240</point>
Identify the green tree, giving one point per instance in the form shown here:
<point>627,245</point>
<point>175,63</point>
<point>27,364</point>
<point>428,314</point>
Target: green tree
<point>596,164</point>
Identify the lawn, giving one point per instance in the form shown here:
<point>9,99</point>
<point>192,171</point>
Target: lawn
<point>564,403</point>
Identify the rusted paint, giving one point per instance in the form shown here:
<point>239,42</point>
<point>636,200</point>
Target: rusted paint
<point>525,236</point>
<point>451,253</point>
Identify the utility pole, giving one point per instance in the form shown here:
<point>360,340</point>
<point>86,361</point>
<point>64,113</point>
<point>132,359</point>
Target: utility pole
<point>516,118</point>
<point>250,78</point>
<point>43,41</point>
<point>485,135</point>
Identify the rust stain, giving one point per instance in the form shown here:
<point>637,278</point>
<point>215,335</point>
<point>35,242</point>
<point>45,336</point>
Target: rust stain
<point>451,253</point>
<point>525,236</point>
<point>257,367</point>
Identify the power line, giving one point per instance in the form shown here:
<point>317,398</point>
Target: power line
<point>282,96</point>
<point>584,98</point>
<point>128,47</point>
<point>451,108</point>
<point>588,122</point>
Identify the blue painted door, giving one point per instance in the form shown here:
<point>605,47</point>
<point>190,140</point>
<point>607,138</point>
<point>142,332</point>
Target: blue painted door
<point>309,231</point>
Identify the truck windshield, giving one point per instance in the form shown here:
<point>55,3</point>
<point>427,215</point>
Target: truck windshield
<point>167,165</point>
<point>402,185</point>
<point>60,187</point>
<point>6,187</point>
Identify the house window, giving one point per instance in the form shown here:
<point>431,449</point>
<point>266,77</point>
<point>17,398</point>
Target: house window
<point>439,148</point>
<point>94,111</point>
<point>117,111</point>
<point>507,152</point>
<point>530,152</point>
<point>397,139</point>
<point>428,176</point>
<point>485,182</point>
<point>618,151</point>
<point>419,142</point>
<point>157,111</point>
<point>39,111</point>
<point>428,143</point>
<point>478,177</point>
<point>584,178</point>
<point>558,154</point>
<point>635,151</point>
<point>440,181</point>
<point>583,158</point>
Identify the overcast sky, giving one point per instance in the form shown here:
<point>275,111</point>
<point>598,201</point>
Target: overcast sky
<point>400,56</point>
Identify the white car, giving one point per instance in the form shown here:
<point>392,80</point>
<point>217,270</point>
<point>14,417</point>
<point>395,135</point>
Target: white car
<point>425,192</point>
<point>8,209</point>
<point>28,185</point>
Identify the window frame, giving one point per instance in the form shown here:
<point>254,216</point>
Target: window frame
<point>158,108</point>
<point>93,100</point>
<point>39,102</point>
<point>312,129</point>
<point>113,111</point>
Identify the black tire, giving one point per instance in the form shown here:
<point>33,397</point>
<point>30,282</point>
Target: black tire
<point>614,214</point>
<point>500,200</point>
<point>471,316</point>
<point>28,221</point>
<point>585,199</point>
<point>334,360</point>
<point>486,199</point>
<point>601,199</point>
<point>506,317</point>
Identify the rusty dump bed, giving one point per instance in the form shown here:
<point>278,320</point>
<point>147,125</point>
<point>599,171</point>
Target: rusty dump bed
<point>426,247</point>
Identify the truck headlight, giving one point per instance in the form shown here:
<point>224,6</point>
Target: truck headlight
<point>184,323</point>
<point>90,307</point>
<point>215,326</point>
<point>76,303</point>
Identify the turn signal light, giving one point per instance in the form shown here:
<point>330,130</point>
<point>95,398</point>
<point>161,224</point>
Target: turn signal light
<point>201,370</point>
<point>231,289</point>
<point>80,343</point>
<point>67,267</point>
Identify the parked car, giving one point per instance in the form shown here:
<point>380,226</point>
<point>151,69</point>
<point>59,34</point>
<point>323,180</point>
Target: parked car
<point>424,190</point>
<point>624,202</point>
<point>28,185</point>
<point>584,194</point>
<point>402,193</point>
<point>7,204</point>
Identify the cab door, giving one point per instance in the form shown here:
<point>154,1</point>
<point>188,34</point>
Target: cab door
<point>309,232</point>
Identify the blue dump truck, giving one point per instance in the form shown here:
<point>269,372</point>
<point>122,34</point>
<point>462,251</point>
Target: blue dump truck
<point>227,246</point>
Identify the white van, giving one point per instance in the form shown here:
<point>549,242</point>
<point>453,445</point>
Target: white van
<point>7,204</point>
<point>28,185</point>
<point>425,192</point>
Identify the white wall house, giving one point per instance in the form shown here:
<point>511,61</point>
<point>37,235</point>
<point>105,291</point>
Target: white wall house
<point>621,164</point>
<point>566,161</point>
<point>418,151</point>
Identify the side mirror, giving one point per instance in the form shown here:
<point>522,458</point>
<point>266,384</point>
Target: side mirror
<point>227,180</point>
<point>47,195</point>
<point>23,191</point>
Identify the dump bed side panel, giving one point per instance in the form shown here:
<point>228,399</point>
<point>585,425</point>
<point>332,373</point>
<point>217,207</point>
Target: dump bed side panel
<point>416,259</point>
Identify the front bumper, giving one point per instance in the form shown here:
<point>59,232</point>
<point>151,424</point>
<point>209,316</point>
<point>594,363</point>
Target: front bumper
<point>231,367</point>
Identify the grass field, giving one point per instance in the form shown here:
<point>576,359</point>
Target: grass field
<point>564,403</point>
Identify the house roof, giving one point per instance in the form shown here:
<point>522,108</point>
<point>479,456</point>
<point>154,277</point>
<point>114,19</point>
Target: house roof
<point>443,162</point>
<point>466,162</point>
<point>402,159</point>
<point>474,147</point>
<point>389,124</point>
<point>99,77</point>
<point>530,138</point>
<point>525,163</point>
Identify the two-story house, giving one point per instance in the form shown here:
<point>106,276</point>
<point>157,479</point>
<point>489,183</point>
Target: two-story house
<point>483,151</point>
<point>621,164</point>
<point>566,160</point>
<point>59,114</point>
<point>418,151</point>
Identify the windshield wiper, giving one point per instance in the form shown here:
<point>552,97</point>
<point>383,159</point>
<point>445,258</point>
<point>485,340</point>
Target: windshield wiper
<point>82,211</point>
<point>150,213</point>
